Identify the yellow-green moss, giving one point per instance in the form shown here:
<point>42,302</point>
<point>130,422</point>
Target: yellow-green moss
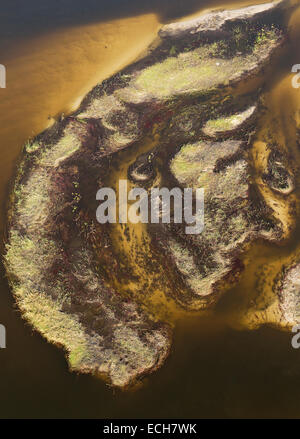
<point>222,124</point>
<point>32,147</point>
<point>227,123</point>
<point>191,72</point>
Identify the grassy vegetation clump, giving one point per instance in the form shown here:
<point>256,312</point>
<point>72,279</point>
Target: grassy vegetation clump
<point>222,124</point>
<point>231,216</point>
<point>32,147</point>
<point>265,36</point>
<point>208,66</point>
<point>66,147</point>
<point>229,124</point>
<point>33,196</point>
<point>52,273</point>
<point>120,124</point>
<point>194,166</point>
<point>178,74</point>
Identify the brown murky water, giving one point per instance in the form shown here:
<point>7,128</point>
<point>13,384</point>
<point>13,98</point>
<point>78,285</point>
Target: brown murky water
<point>218,367</point>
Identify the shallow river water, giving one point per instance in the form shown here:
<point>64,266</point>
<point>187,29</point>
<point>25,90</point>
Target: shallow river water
<point>218,367</point>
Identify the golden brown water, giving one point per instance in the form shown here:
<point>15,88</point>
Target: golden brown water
<point>49,75</point>
<point>217,367</point>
